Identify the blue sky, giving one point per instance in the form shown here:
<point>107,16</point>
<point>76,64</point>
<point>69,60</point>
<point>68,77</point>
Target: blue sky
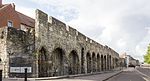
<point>121,24</point>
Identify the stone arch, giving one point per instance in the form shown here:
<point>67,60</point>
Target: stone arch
<point>113,62</point>
<point>93,62</point>
<point>98,62</point>
<point>58,58</point>
<point>74,62</point>
<point>88,60</point>
<point>102,63</point>
<point>105,64</point>
<point>107,61</point>
<point>42,63</point>
<point>110,62</point>
<point>82,61</point>
<point>116,62</point>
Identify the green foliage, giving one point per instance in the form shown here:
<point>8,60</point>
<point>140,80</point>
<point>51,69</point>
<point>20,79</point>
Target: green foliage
<point>147,56</point>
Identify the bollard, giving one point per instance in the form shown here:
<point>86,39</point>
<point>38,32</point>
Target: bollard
<point>0,75</point>
<point>25,75</point>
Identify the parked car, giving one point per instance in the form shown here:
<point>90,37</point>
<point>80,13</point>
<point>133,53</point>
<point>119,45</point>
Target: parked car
<point>132,66</point>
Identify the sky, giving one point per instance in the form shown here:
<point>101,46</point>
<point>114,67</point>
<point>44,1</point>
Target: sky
<point>123,25</point>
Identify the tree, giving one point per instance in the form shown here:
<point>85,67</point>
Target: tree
<point>147,55</point>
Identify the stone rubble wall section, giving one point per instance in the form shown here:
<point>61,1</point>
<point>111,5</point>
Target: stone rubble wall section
<point>51,33</point>
<point>3,53</point>
<point>20,49</point>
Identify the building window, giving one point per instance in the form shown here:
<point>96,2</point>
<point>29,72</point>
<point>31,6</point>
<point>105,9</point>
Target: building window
<point>10,24</point>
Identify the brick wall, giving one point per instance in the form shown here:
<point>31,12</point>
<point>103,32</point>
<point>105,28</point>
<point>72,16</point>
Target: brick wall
<point>8,13</point>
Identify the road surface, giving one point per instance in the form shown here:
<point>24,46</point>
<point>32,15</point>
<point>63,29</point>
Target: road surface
<point>131,74</point>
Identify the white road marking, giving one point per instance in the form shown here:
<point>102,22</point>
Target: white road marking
<point>147,79</point>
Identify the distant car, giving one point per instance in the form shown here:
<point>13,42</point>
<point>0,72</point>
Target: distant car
<point>131,66</point>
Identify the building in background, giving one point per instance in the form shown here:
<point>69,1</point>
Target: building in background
<point>129,60</point>
<point>11,18</point>
<point>123,60</point>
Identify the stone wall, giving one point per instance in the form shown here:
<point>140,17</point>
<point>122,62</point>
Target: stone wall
<point>20,51</point>
<point>3,53</point>
<point>62,42</point>
<point>53,49</point>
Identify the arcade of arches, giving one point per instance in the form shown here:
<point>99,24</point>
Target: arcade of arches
<point>58,63</point>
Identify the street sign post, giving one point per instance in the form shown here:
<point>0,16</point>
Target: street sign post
<point>1,71</point>
<point>25,73</point>
<point>0,75</point>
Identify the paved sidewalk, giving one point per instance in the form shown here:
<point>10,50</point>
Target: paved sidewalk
<point>98,77</point>
<point>86,77</point>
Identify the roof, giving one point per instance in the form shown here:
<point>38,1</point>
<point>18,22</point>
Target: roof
<point>3,6</point>
<point>26,20</point>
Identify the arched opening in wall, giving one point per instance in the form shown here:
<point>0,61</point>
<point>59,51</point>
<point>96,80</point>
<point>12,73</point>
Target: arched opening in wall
<point>88,59</point>
<point>58,62</point>
<point>102,63</point>
<point>105,64</point>
<point>74,62</point>
<point>93,62</point>
<point>108,62</point>
<point>43,63</point>
<point>116,62</point>
<point>113,63</point>
<point>82,61</point>
<point>98,62</point>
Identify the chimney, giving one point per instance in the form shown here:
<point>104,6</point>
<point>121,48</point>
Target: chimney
<point>13,5</point>
<point>0,2</point>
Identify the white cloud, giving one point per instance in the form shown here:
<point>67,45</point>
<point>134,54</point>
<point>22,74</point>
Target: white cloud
<point>27,11</point>
<point>141,47</point>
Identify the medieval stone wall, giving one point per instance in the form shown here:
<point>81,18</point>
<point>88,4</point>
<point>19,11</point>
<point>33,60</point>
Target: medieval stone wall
<point>3,53</point>
<point>20,51</point>
<point>53,49</point>
<point>64,50</point>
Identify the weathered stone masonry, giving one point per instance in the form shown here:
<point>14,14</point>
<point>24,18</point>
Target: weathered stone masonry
<point>17,48</point>
<point>63,50</point>
<point>3,52</point>
<point>53,49</point>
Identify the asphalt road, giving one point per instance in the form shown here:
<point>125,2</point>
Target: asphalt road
<point>145,70</point>
<point>131,74</point>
